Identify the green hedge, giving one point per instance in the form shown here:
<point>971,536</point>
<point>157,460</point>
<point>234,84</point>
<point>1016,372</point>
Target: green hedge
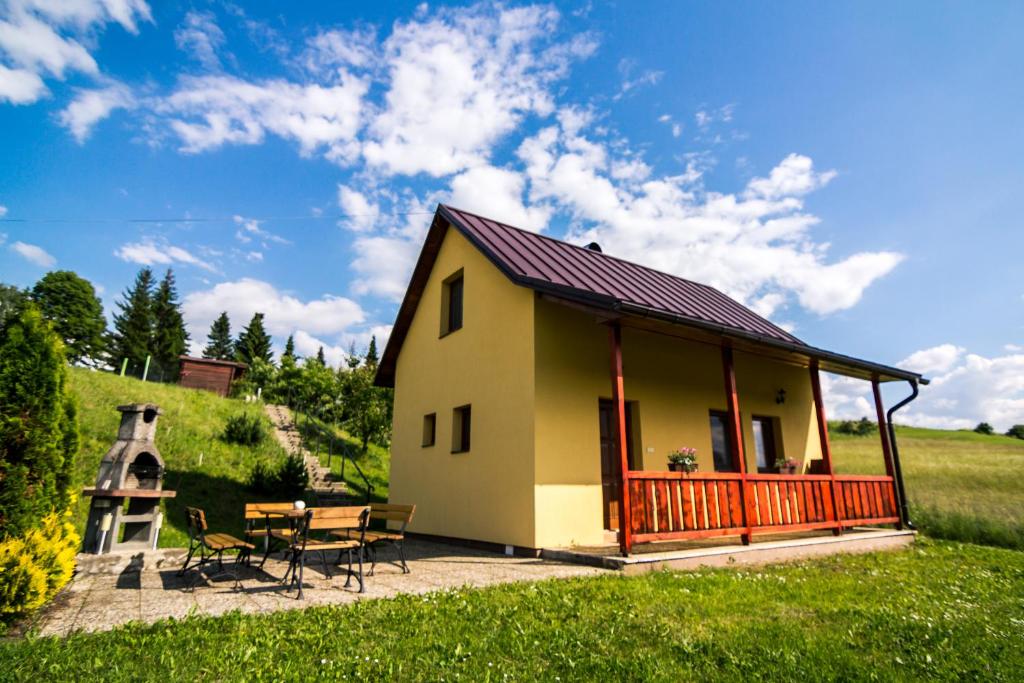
<point>38,445</point>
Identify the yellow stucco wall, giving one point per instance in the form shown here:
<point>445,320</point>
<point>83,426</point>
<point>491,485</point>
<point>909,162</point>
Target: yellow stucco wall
<point>675,384</point>
<point>487,493</point>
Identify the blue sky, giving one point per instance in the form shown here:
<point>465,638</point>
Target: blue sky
<point>848,169</point>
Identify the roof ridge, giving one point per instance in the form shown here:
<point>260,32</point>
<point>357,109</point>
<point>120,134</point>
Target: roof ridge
<point>619,259</point>
<point>581,248</point>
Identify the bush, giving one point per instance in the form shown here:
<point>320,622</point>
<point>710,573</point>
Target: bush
<point>245,429</point>
<point>861,427</point>
<point>289,480</point>
<point>984,428</point>
<point>33,568</point>
<point>1016,431</point>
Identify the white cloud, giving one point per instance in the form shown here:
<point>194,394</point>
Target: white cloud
<point>201,37</point>
<point>250,229</point>
<point>335,49</point>
<point>497,193</point>
<point>3,210</point>
<point>33,254</point>
<point>966,389</point>
<point>20,86</point>
<point>211,111</point>
<point>751,245</point>
<point>92,106</point>
<point>149,252</point>
<point>706,117</point>
<point>41,37</point>
<point>460,81</point>
<point>284,314</point>
<point>254,257</point>
<point>361,213</point>
<point>626,68</point>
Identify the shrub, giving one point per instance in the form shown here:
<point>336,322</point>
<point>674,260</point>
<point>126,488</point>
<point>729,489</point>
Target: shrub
<point>984,428</point>
<point>861,427</point>
<point>245,429</point>
<point>289,480</point>
<point>33,568</point>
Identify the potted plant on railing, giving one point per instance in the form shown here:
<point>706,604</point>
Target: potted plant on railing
<point>786,465</point>
<point>683,460</point>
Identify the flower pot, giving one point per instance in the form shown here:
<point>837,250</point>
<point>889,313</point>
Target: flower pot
<point>676,467</point>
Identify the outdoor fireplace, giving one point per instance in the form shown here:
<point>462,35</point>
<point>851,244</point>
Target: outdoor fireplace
<point>125,509</point>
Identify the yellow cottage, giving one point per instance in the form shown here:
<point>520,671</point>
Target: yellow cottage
<point>540,388</point>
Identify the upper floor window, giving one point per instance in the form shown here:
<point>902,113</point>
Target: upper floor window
<point>429,429</point>
<point>451,303</point>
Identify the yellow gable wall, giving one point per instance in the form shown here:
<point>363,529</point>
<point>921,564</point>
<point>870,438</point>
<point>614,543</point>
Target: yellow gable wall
<point>675,383</point>
<point>487,493</point>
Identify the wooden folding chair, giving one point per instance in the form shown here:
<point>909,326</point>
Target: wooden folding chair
<point>210,546</point>
<point>350,519</point>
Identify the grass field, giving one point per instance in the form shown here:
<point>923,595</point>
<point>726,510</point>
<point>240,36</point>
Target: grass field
<point>940,611</point>
<point>961,485</point>
<point>203,469</point>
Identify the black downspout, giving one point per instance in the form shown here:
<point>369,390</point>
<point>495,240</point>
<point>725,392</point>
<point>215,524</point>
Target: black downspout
<point>897,470</point>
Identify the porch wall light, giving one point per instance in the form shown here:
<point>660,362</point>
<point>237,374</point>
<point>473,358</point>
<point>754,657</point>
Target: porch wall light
<point>780,396</point>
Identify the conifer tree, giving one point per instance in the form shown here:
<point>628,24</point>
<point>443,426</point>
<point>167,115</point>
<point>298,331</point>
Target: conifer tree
<point>133,326</point>
<point>289,349</point>
<point>218,343</point>
<point>320,357</point>
<point>170,338</point>
<point>254,342</point>
<point>371,353</point>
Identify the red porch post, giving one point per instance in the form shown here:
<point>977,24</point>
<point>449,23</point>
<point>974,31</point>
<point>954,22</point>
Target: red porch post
<point>736,436</point>
<point>826,448</point>
<point>619,407</point>
<point>882,431</point>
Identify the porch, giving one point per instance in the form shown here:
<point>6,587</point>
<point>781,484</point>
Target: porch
<point>660,507</point>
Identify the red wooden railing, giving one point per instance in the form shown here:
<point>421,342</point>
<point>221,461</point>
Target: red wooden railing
<point>676,506</point>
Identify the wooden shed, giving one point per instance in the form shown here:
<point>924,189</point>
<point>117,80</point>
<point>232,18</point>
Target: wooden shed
<point>210,374</point>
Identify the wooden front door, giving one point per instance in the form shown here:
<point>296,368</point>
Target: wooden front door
<point>611,475</point>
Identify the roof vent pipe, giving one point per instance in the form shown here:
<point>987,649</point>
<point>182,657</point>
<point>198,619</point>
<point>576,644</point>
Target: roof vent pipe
<point>594,246</point>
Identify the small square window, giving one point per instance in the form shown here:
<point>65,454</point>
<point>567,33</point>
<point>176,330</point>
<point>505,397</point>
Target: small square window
<point>429,429</point>
<point>451,304</point>
<point>461,418</point>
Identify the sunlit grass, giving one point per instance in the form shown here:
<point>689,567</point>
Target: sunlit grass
<point>961,485</point>
<point>938,611</point>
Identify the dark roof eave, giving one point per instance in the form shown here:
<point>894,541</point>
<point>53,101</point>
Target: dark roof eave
<point>883,371</point>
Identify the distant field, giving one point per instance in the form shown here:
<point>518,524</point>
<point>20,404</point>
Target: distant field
<point>960,485</point>
<point>189,428</point>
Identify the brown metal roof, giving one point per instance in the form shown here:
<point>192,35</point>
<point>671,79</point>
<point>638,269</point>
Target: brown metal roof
<point>601,281</point>
<point>545,263</point>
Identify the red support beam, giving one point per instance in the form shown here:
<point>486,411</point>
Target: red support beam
<point>826,447</point>
<point>736,436</point>
<point>619,408</point>
<point>882,431</point>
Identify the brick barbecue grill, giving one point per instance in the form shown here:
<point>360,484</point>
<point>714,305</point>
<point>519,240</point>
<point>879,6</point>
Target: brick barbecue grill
<point>125,509</point>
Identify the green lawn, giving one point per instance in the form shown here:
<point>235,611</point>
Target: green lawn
<point>961,485</point>
<point>189,430</point>
<point>940,611</point>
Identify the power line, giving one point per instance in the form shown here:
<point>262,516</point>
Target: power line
<point>212,219</point>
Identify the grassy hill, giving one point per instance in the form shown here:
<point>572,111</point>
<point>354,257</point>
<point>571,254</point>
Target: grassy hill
<point>961,485</point>
<point>204,470</point>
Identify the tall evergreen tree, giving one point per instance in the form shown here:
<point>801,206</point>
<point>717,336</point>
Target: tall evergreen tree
<point>218,342</point>
<point>133,326</point>
<point>371,353</point>
<point>289,349</point>
<point>254,342</point>
<point>320,356</point>
<point>170,338</point>
<point>70,304</point>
